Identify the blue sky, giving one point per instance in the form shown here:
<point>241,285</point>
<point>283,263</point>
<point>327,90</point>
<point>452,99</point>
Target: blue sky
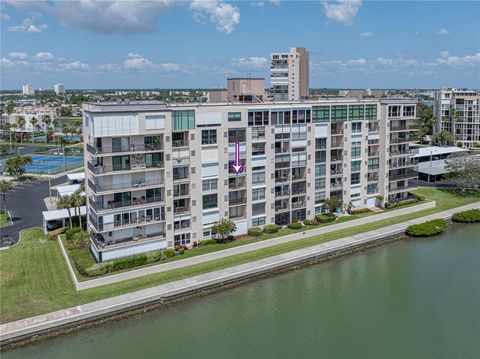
<point>198,44</point>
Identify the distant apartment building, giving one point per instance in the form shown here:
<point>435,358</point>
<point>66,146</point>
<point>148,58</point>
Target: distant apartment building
<point>246,89</point>
<point>159,176</point>
<point>458,112</point>
<point>363,93</point>
<point>32,115</point>
<point>290,74</point>
<point>28,90</point>
<point>59,89</point>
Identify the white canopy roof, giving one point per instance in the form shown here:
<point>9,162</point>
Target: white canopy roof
<point>76,176</point>
<point>67,190</point>
<point>435,150</point>
<point>61,213</point>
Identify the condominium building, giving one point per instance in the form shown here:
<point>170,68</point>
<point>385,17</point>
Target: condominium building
<point>246,89</point>
<point>159,176</point>
<point>59,89</point>
<point>458,112</point>
<point>290,74</point>
<point>28,90</point>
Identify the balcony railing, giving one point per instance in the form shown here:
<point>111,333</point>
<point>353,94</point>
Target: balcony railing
<point>401,176</point>
<point>102,169</point>
<point>180,210</point>
<point>336,172</point>
<point>336,158</point>
<point>94,150</point>
<point>100,242</point>
<point>179,143</point>
<point>283,207</point>
<point>181,193</point>
<point>121,204</point>
<point>236,201</point>
<point>236,185</point>
<point>300,204</point>
<point>103,227</point>
<point>282,193</point>
<point>137,184</point>
<point>299,177</point>
<point>282,179</point>
<point>336,184</point>
<point>301,163</point>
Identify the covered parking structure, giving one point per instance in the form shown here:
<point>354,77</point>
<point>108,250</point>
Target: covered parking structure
<point>59,218</point>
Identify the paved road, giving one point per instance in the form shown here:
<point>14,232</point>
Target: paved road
<point>247,248</point>
<point>26,203</point>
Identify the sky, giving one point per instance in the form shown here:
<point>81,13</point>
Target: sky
<point>198,44</point>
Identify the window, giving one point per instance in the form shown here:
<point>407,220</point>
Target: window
<point>319,197</point>
<point>258,208</point>
<point>356,152</point>
<point>207,232</point>
<point>120,144</point>
<point>210,185</point>
<point>339,113</point>
<point>320,143</point>
<point>183,120</point>
<point>210,201</point>
<point>280,117</point>
<point>234,116</point>
<point>301,116</point>
<point>154,122</point>
<point>121,163</point>
<point>258,194</point>
<point>320,114</point>
<point>393,111</point>
<point>356,166</point>
<point>373,164</point>
<point>258,221</point>
<point>319,170</point>
<point>356,127</point>
<point>258,133</point>
<point>320,156</point>
<point>209,137</point>
<point>371,112</point>
<point>355,178</point>
<point>319,183</point>
<point>258,178</point>
<point>408,111</point>
<point>182,239</point>
<point>355,112</point>
<point>258,118</point>
<point>258,149</point>
<point>237,135</point>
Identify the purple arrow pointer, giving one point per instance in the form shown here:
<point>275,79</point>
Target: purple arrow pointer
<point>237,166</point>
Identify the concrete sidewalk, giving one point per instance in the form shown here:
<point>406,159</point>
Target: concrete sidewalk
<point>29,327</point>
<point>115,278</point>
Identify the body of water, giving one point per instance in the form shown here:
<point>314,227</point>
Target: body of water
<point>409,299</point>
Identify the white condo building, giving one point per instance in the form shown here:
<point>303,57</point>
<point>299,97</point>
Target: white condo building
<point>158,176</point>
<point>59,89</point>
<point>290,74</point>
<point>28,90</point>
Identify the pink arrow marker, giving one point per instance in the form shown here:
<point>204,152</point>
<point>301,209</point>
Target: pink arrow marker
<point>237,166</point>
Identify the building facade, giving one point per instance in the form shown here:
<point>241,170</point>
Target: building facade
<point>458,112</point>
<point>159,176</point>
<point>246,89</point>
<point>28,90</point>
<point>290,74</point>
<point>59,89</point>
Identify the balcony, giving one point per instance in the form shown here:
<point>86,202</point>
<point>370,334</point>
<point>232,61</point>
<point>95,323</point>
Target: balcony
<point>134,184</point>
<point>394,189</point>
<point>237,201</point>
<point>300,204</point>
<point>181,193</point>
<point>179,143</point>
<point>404,127</point>
<point>336,131</point>
<point>102,169</point>
<point>403,139</point>
<point>282,179</point>
<point>336,158</point>
<point>336,185</point>
<point>399,153</point>
<point>131,222</point>
<point>282,206</point>
<point>110,205</point>
<point>402,176</point>
<point>284,193</point>
<point>301,163</point>
<point>299,177</point>
<point>181,210</point>
<point>100,242</point>
<point>133,148</point>
<point>337,144</point>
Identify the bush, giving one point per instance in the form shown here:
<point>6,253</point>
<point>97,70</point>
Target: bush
<point>125,263</point>
<point>359,211</point>
<point>471,216</point>
<point>255,231</point>
<point>379,197</point>
<point>271,228</point>
<point>309,222</point>
<point>295,225</point>
<point>98,269</point>
<point>426,229</point>
<point>55,233</point>
<point>181,251</point>
<point>325,218</point>
<point>153,257</point>
<point>207,242</point>
<point>82,259</point>
<point>71,231</point>
<point>168,253</point>
<point>400,204</point>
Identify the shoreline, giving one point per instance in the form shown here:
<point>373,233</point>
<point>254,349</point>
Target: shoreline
<point>162,302</point>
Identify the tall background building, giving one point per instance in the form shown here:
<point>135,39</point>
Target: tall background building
<point>59,89</point>
<point>28,90</point>
<point>290,74</point>
<point>458,112</point>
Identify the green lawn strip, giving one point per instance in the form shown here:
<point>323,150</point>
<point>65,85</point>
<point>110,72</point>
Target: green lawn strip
<point>34,278</point>
<point>5,219</point>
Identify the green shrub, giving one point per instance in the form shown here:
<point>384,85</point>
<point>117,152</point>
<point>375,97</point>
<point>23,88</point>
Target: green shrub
<point>471,216</point>
<point>325,217</point>
<point>153,257</point>
<point>82,259</point>
<point>55,233</point>
<point>255,231</point>
<point>168,253</point>
<point>71,231</point>
<point>401,204</point>
<point>181,251</point>
<point>359,211</point>
<point>130,262</point>
<point>426,229</point>
<point>309,222</point>
<point>98,269</point>
<point>271,228</point>
<point>295,225</point>
<point>207,242</point>
<point>379,197</point>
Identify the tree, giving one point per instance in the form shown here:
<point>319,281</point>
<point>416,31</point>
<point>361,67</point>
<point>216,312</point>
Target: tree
<point>15,166</point>
<point>224,228</point>
<point>332,204</point>
<point>47,121</point>
<point>34,123</point>
<point>425,120</point>
<point>7,133</point>
<point>66,202</point>
<point>78,200</point>
<point>21,125</point>
<point>463,170</point>
<point>443,138</point>
<point>10,107</point>
<point>5,186</point>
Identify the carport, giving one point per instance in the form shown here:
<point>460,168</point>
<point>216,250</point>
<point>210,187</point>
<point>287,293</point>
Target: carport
<point>59,218</point>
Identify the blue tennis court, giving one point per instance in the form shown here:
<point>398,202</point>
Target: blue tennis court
<point>53,164</point>
<point>57,159</point>
<point>40,167</point>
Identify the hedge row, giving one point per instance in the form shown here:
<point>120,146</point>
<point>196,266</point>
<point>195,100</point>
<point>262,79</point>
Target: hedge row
<point>401,204</point>
<point>471,216</point>
<point>295,225</point>
<point>426,229</point>
<point>325,217</point>
<point>359,211</point>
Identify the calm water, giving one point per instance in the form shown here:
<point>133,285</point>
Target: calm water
<point>411,299</point>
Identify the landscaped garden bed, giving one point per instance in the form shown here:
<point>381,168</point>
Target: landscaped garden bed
<point>471,216</point>
<point>426,229</point>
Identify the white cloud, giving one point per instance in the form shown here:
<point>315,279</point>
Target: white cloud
<point>443,32</point>
<point>365,34</point>
<point>397,62</point>
<point>4,17</point>
<point>18,55</point>
<point>341,11</point>
<point>44,56</point>
<point>137,62</point>
<point>251,62</point>
<point>451,60</point>
<point>275,2</point>
<point>75,66</point>
<point>225,16</point>
<point>257,3</point>
<point>28,27</point>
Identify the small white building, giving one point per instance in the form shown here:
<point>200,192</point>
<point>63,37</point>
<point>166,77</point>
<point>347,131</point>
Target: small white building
<point>431,161</point>
<point>59,218</point>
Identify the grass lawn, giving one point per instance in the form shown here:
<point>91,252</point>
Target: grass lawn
<point>34,278</point>
<point>4,219</point>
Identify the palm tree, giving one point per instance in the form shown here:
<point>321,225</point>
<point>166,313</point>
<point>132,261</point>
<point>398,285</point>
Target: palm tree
<point>6,128</point>
<point>66,203</point>
<point>34,123</point>
<point>21,125</point>
<point>47,121</point>
<point>5,186</point>
<point>78,200</point>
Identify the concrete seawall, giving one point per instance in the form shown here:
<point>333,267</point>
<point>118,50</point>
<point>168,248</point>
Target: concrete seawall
<point>34,328</point>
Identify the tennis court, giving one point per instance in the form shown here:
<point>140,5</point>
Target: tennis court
<point>53,164</point>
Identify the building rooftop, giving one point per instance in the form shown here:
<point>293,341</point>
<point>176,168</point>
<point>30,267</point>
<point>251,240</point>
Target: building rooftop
<point>435,150</point>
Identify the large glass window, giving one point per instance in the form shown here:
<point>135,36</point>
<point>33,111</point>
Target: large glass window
<point>355,112</point>
<point>260,221</point>
<point>320,143</point>
<point>356,166</point>
<point>234,116</point>
<point>319,170</point>
<point>209,137</point>
<point>355,178</point>
<point>121,163</point>
<point>356,127</point>
<point>210,185</point>
<point>210,201</point>
<point>258,208</point>
<point>183,120</point>
<point>373,163</point>
<point>339,113</point>
<point>258,178</point>
<point>408,111</point>
<point>356,152</point>
<point>371,112</point>
<point>320,113</point>
<point>258,118</point>
<point>394,111</point>
<point>258,149</point>
<point>258,194</point>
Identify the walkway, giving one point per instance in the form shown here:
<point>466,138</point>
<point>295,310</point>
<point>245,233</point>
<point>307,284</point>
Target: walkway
<point>30,326</point>
<point>115,278</point>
